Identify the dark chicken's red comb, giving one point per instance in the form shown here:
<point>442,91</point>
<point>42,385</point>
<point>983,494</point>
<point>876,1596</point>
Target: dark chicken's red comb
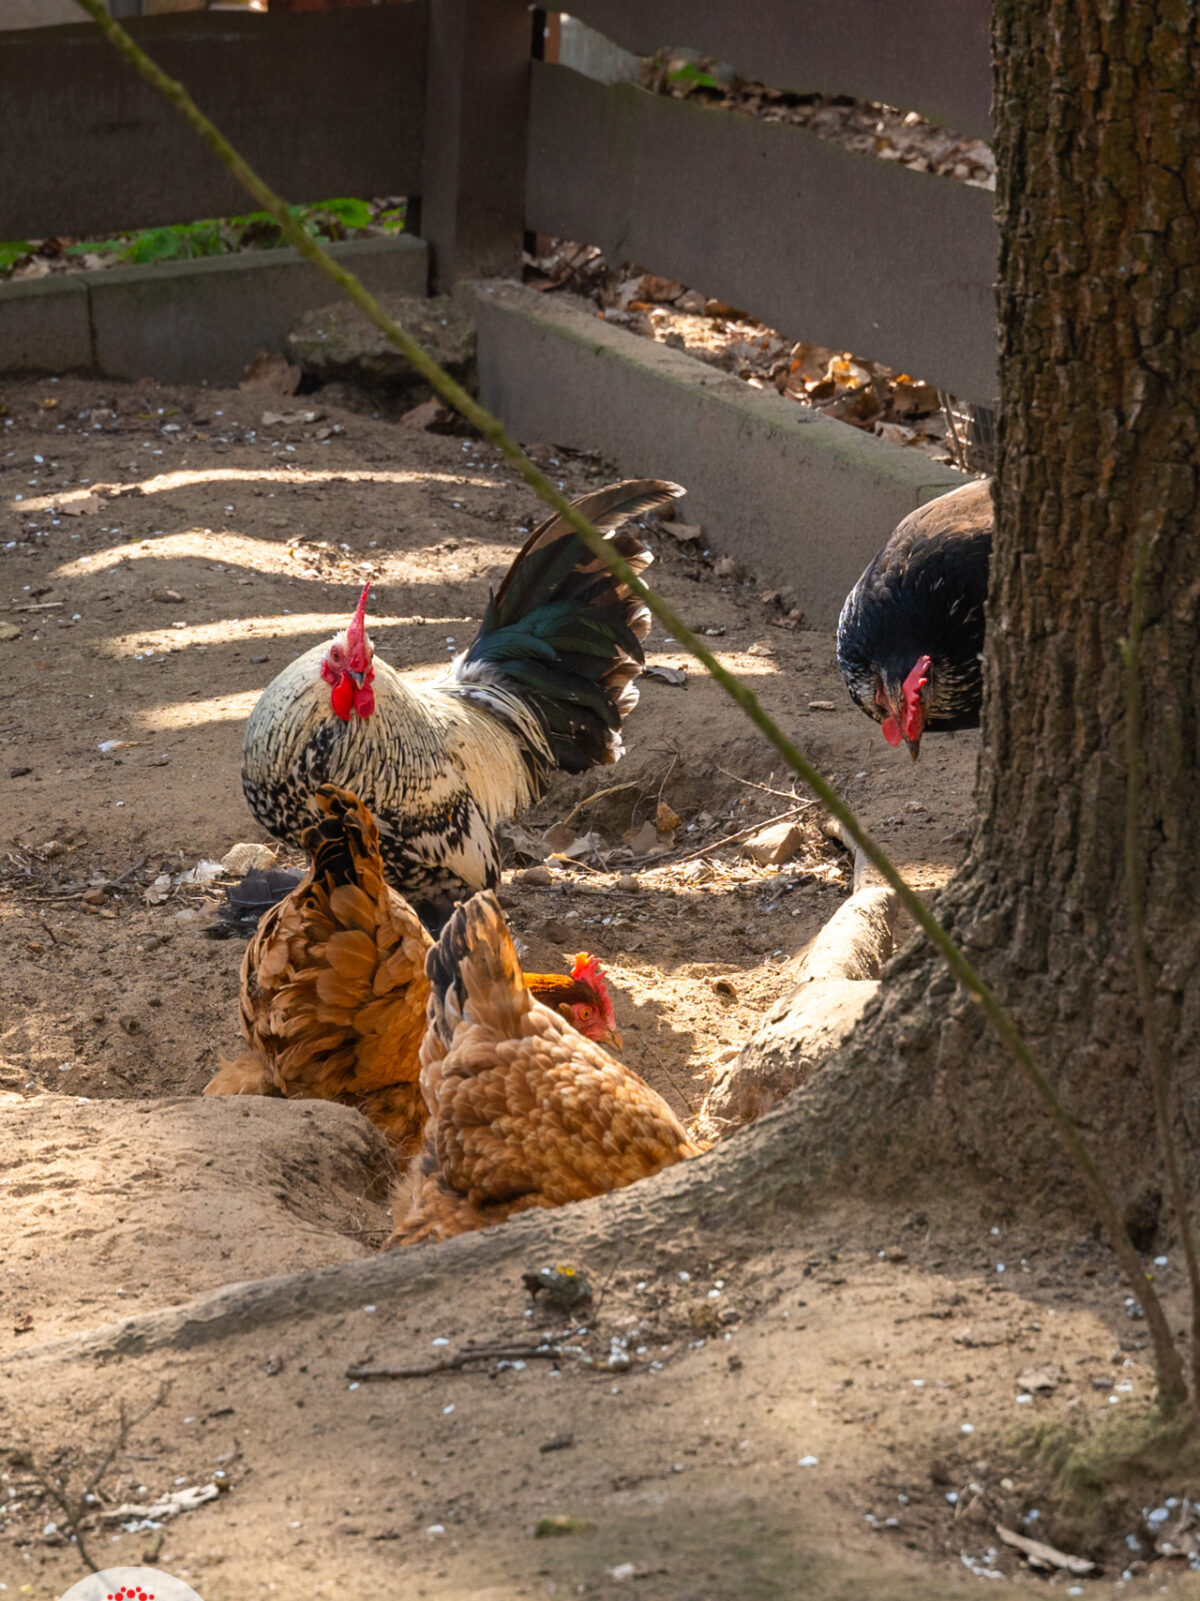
<point>913,716</point>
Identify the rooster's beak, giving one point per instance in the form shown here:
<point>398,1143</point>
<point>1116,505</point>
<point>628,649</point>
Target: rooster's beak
<point>357,677</point>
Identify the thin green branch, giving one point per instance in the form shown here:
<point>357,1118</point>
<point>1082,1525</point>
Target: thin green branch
<point>1172,1386</point>
<point>1136,868</point>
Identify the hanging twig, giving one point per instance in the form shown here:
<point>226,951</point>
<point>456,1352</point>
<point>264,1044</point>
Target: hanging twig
<point>1172,1384</point>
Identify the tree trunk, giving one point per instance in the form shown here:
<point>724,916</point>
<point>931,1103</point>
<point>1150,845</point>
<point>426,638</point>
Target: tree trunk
<point>1097,113</point>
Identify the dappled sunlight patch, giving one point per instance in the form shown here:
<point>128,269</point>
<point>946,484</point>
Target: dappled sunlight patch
<point>163,483</point>
<point>188,713</point>
<point>228,630</point>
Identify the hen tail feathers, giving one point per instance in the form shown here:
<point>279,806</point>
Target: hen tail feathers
<point>343,843</point>
<point>474,973</point>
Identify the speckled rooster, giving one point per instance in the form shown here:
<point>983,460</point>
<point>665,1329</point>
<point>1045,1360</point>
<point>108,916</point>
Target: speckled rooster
<point>545,684</point>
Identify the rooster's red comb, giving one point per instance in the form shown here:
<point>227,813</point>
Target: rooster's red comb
<point>356,634</point>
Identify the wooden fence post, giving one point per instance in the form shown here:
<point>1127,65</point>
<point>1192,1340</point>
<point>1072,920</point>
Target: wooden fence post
<point>476,109</point>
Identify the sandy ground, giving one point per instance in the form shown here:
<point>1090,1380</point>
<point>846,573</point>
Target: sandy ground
<point>165,553</point>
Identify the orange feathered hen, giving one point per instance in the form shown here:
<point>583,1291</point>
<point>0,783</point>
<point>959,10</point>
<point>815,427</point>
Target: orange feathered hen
<point>334,986</point>
<point>523,1110</point>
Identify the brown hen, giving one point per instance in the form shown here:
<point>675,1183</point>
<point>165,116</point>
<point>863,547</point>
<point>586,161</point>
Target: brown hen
<point>334,986</point>
<point>523,1110</point>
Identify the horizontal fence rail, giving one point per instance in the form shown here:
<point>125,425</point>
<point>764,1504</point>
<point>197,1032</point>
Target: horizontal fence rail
<point>823,244</point>
<point>930,56</point>
<point>321,105</point>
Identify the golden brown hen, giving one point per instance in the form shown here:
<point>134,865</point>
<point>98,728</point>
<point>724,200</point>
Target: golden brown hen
<point>523,1110</point>
<point>334,986</point>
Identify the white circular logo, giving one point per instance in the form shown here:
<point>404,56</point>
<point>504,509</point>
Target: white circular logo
<point>130,1584</point>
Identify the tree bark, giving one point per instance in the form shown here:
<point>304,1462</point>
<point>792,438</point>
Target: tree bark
<point>1097,111</point>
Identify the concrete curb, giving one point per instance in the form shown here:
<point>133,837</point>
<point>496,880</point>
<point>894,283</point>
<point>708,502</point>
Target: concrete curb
<point>185,321</point>
<point>803,500</point>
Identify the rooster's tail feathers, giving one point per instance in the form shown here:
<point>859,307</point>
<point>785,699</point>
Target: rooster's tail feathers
<point>564,635</point>
<point>474,973</point>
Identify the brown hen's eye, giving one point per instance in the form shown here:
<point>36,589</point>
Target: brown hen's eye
<point>585,1013</point>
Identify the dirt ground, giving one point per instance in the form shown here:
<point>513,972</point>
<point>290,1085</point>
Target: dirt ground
<point>840,1405</point>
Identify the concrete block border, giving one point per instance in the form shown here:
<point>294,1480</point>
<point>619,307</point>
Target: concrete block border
<point>802,500</point>
<point>185,321</point>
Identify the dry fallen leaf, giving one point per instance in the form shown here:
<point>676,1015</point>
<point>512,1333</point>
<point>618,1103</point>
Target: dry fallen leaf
<point>666,819</point>
<point>641,840</point>
<point>276,419</point>
<point>675,676</point>
<point>1046,1378</point>
<point>85,506</point>
<point>421,416</point>
<point>272,374</point>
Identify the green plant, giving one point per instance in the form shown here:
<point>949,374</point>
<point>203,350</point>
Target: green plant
<point>693,76</point>
<point>323,220</point>
<point>12,251</point>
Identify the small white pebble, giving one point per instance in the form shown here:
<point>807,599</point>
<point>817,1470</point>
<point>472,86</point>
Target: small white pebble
<point>353,1385</point>
<point>434,1529</point>
<point>967,1428</point>
<point>446,1410</point>
<point>440,1339</point>
<point>368,1308</point>
<point>808,1461</point>
<point>685,1278</point>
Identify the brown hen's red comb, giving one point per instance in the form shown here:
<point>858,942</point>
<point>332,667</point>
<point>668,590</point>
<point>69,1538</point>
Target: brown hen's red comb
<point>356,634</point>
<point>587,970</point>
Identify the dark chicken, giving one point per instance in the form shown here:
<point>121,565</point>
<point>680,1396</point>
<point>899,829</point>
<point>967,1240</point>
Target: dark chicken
<point>545,684</point>
<point>910,637</point>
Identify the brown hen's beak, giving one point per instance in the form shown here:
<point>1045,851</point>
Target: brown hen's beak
<point>611,1036</point>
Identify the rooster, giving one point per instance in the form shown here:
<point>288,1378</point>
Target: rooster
<point>545,684</point>
<point>523,1112</point>
<point>910,637</point>
<point>334,990</point>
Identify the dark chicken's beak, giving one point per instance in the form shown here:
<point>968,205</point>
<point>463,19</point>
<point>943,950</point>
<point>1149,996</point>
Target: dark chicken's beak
<point>914,748</point>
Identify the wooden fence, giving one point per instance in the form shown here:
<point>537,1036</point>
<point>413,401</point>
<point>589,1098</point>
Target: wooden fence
<point>438,99</point>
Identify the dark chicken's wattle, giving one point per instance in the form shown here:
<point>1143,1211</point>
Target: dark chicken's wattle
<point>910,637</point>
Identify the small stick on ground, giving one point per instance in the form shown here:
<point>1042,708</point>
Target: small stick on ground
<point>733,839</point>
<point>588,800</point>
<point>365,1373</point>
<point>780,794</point>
